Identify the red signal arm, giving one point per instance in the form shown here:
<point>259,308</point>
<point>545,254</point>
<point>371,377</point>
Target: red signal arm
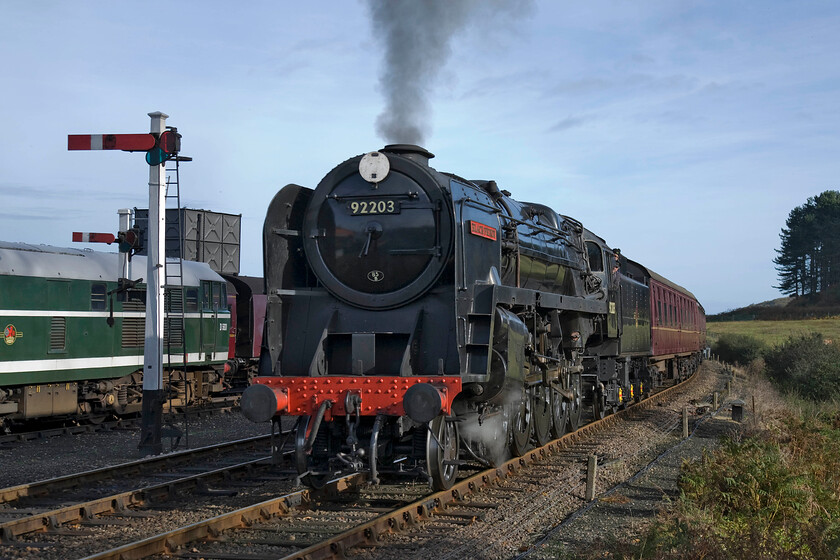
<point>125,142</point>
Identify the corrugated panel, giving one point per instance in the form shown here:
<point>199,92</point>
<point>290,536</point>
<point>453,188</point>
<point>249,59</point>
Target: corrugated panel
<point>133,328</point>
<point>173,300</point>
<point>58,333</point>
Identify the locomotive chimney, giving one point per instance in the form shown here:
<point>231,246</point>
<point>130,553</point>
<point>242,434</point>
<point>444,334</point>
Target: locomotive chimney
<point>410,151</point>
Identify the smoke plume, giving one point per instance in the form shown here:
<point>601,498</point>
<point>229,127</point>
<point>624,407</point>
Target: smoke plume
<point>416,36</point>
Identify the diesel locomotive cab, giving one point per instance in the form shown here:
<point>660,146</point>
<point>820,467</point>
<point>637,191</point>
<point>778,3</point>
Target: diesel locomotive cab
<point>378,232</point>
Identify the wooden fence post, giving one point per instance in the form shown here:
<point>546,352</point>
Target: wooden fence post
<point>591,473</point>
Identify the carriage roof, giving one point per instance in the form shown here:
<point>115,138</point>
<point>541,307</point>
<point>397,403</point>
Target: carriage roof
<point>47,261</point>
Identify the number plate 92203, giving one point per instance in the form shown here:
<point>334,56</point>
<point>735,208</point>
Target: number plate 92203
<point>374,206</point>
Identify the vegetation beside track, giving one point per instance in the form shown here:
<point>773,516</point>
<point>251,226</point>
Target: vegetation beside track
<point>773,490</point>
<point>772,494</point>
<point>769,492</point>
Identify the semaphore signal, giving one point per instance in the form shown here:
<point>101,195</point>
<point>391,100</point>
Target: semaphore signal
<point>159,147</point>
<point>161,143</point>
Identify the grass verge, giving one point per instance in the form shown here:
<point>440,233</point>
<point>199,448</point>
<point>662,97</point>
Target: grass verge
<point>772,491</point>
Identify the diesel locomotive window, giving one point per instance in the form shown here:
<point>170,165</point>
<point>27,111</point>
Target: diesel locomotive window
<point>191,299</point>
<point>596,260</point>
<point>206,296</point>
<point>219,297</point>
<point>98,297</point>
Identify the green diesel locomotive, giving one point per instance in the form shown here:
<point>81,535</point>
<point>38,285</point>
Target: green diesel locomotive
<point>73,333</point>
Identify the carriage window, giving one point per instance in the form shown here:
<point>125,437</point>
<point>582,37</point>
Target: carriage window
<point>673,311</point>
<point>97,297</point>
<point>217,295</point>
<point>674,304</point>
<point>670,310</point>
<point>596,261</point>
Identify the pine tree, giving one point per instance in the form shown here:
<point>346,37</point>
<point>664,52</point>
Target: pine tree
<point>808,260</point>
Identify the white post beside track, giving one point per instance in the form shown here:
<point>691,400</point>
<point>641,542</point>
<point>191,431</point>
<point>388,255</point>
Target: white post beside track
<point>156,259</point>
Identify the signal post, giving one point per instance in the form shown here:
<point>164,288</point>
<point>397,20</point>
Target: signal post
<point>153,393</point>
<point>160,144</point>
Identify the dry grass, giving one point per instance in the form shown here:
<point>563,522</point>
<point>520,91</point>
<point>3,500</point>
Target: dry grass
<point>772,333</point>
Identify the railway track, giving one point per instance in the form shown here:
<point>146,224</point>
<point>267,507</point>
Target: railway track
<point>349,513</point>
<point>122,490</point>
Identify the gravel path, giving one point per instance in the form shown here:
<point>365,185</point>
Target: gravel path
<point>624,512</point>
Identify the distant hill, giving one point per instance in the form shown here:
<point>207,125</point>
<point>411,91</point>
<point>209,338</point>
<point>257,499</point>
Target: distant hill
<point>812,306</point>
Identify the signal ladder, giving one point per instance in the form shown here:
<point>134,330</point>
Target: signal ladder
<point>174,304</point>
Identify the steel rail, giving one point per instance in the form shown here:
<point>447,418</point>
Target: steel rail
<point>132,468</point>
<point>244,517</point>
<point>117,503</point>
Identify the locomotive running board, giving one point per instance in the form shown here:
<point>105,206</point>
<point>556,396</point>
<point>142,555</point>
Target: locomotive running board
<point>522,296</point>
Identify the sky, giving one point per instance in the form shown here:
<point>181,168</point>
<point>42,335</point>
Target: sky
<point>682,132</point>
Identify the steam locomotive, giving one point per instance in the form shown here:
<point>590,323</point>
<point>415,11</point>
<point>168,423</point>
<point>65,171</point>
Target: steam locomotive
<point>417,320</point>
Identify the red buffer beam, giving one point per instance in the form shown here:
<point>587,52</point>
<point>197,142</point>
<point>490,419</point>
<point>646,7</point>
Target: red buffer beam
<point>125,142</point>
